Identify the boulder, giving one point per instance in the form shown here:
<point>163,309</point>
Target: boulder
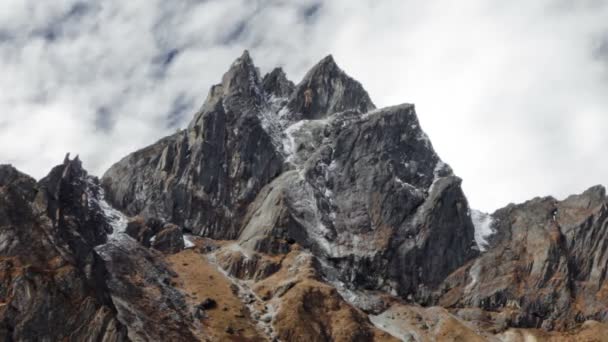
<point>169,240</point>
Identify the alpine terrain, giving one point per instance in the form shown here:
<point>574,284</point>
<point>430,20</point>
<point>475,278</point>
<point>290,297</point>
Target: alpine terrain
<point>293,212</point>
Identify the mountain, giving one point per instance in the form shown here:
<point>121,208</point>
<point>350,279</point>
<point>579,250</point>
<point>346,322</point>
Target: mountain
<point>293,212</point>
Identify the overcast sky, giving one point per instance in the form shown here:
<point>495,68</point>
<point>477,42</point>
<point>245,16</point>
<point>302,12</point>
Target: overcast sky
<point>513,94</point>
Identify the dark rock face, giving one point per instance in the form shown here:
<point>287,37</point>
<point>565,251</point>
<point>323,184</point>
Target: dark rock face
<point>51,280</point>
<point>141,289</point>
<point>271,164</point>
<point>276,84</point>
<point>547,263</point>
<point>204,178</point>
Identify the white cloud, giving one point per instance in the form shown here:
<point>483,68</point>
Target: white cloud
<point>512,94</point>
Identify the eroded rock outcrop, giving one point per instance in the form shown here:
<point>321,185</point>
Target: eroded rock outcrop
<point>546,266</point>
<point>140,283</point>
<point>68,273</point>
<point>52,283</point>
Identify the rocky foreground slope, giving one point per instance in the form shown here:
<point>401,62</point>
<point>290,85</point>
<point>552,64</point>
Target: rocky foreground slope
<point>293,213</point>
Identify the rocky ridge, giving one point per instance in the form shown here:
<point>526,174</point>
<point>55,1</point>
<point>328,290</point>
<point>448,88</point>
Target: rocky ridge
<point>302,212</point>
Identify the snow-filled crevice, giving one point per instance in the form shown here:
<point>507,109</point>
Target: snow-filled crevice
<point>308,215</point>
<point>274,119</point>
<point>483,228</point>
<point>116,219</point>
<point>301,139</point>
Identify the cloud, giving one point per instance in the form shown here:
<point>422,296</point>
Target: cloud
<point>512,94</point>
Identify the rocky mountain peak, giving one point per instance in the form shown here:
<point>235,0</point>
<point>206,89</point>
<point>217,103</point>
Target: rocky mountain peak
<point>327,89</point>
<point>243,78</point>
<point>275,83</point>
<point>319,169</point>
<point>241,87</point>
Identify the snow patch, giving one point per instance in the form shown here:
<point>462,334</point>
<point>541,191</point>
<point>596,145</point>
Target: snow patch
<point>116,219</point>
<point>483,228</point>
<point>289,141</point>
<point>188,241</point>
<point>306,132</point>
<point>274,120</point>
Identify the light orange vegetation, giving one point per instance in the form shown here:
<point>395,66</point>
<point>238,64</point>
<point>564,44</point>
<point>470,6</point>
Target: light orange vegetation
<point>314,311</point>
<point>200,280</point>
<point>310,310</point>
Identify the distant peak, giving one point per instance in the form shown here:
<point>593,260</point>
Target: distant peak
<point>277,84</point>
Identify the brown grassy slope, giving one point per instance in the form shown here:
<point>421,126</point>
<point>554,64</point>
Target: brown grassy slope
<point>201,280</point>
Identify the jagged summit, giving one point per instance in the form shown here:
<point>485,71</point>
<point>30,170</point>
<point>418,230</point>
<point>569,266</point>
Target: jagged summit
<point>311,168</point>
<point>276,84</point>
<point>327,89</point>
<point>243,77</point>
